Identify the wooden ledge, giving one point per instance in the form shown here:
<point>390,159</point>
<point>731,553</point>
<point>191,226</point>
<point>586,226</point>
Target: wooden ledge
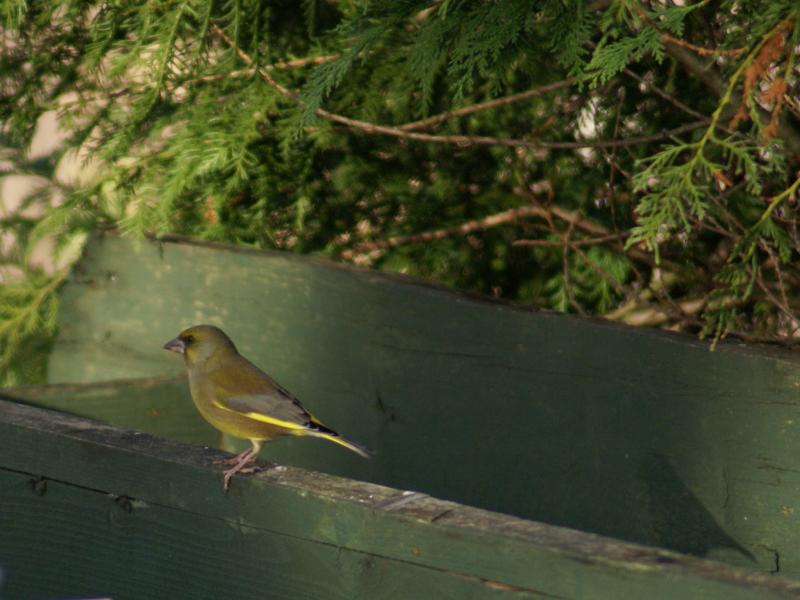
<point>89,508</point>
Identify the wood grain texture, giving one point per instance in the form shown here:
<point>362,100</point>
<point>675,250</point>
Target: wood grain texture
<point>635,434</point>
<point>129,549</point>
<point>159,405</point>
<point>86,508</point>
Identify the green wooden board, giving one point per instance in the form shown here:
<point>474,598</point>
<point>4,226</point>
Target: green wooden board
<point>630,433</point>
<point>158,405</point>
<point>89,509</point>
<point>151,551</point>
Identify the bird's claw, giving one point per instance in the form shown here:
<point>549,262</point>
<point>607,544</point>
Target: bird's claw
<point>227,475</point>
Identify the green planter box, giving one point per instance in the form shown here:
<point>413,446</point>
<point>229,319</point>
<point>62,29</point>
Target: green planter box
<point>650,449</point>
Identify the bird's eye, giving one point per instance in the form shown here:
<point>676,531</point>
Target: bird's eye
<point>188,339</point>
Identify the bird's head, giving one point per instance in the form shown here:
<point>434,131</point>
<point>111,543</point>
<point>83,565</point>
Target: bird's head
<point>200,343</point>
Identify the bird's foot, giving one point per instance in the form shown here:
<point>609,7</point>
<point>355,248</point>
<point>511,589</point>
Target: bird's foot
<point>242,466</point>
<point>227,475</point>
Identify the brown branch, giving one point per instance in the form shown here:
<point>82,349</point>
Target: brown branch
<point>246,58</point>
<point>572,243</point>
<point>597,230</point>
<point>464,140</point>
<point>470,140</point>
<point>670,40</point>
<point>302,62</point>
<point>572,218</point>
<point>508,216</point>
<point>733,52</point>
<point>421,124</point>
<point>504,101</point>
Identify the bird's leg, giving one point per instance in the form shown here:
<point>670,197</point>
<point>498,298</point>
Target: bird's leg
<point>240,466</point>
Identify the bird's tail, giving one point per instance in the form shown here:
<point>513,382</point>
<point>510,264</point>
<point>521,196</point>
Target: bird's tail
<point>317,429</point>
<point>337,439</point>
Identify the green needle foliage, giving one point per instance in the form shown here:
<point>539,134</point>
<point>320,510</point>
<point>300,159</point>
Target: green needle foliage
<point>632,159</point>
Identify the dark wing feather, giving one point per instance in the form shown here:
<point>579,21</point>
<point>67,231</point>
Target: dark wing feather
<point>252,392</point>
<point>275,406</point>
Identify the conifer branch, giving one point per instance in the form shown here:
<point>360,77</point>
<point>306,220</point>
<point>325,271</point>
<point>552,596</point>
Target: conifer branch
<point>459,140</point>
<point>712,79</point>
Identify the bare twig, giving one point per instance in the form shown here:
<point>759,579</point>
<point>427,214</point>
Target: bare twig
<point>595,229</point>
<point>734,52</point>
<point>572,219</point>
<point>504,101</point>
<point>572,243</point>
<point>472,140</point>
<point>508,216</point>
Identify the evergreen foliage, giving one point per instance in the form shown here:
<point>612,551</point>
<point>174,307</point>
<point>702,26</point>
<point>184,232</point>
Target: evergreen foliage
<point>633,159</point>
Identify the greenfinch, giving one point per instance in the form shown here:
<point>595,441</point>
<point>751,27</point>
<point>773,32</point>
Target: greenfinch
<point>239,399</point>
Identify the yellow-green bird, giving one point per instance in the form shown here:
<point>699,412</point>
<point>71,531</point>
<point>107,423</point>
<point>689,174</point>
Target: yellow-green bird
<point>238,398</point>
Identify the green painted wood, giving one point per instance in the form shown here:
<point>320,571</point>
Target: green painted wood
<point>630,433</point>
<point>160,405</point>
<point>86,508</point>
<point>135,550</point>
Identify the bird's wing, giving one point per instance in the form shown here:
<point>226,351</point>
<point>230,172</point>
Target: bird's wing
<point>256,395</point>
<point>275,409</point>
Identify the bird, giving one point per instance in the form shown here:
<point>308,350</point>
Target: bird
<point>239,399</point>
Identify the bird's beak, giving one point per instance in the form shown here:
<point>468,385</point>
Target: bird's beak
<point>175,345</point>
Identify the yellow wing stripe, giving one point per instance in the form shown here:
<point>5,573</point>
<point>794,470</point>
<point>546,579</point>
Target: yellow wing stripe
<point>262,417</point>
<point>273,421</point>
<point>297,427</point>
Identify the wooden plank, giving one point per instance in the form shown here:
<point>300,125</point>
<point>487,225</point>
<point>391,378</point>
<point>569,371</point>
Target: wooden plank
<point>635,434</point>
<point>86,508</point>
<point>157,405</point>
<point>132,549</point>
